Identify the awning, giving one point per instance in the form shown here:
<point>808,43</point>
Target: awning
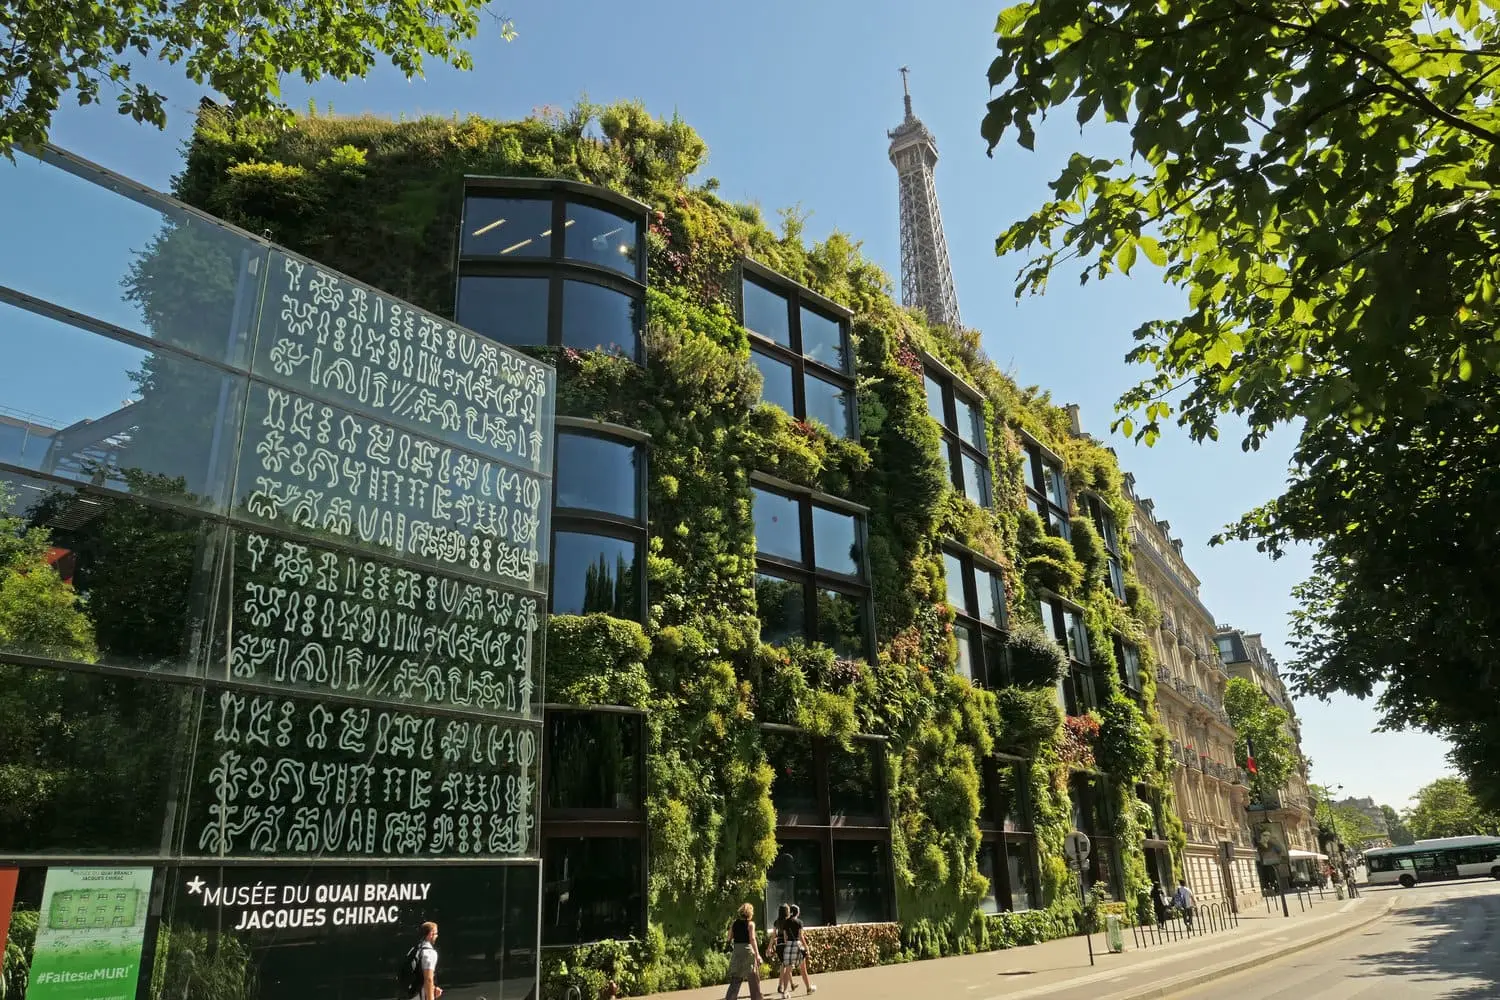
<point>1297,855</point>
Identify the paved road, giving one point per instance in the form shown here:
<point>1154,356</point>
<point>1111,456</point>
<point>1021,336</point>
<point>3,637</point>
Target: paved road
<point>1439,944</point>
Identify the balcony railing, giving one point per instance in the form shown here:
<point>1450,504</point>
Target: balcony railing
<point>1168,624</point>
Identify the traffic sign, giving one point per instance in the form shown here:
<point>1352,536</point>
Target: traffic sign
<point>1076,847</point>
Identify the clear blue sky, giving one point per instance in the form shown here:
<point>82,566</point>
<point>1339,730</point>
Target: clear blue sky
<point>794,100</point>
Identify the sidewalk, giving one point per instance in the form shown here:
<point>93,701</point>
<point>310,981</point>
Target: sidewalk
<point>1059,970</point>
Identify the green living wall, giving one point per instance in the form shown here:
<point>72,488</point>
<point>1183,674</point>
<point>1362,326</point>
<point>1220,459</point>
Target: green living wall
<point>381,200</point>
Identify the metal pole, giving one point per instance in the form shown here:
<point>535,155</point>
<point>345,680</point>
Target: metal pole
<point>1087,928</point>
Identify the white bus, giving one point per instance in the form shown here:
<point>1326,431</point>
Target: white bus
<point>1434,861</point>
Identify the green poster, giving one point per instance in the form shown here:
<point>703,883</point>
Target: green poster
<point>89,934</point>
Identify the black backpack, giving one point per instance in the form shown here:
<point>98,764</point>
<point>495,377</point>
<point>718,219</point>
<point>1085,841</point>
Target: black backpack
<point>411,972</point>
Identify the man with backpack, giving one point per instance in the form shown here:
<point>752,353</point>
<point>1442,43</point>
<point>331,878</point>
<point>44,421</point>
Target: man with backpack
<point>421,966</point>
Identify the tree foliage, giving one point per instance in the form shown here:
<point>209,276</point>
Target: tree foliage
<point>1260,724</point>
<point>91,48</point>
<point>1446,808</point>
<point>1318,178</point>
<point>1396,826</point>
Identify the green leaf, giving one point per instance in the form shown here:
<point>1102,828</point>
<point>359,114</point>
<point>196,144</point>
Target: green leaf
<point>1126,256</point>
<point>1153,251</point>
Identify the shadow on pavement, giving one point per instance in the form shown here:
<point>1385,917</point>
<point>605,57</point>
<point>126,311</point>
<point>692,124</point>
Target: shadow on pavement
<point>1457,946</point>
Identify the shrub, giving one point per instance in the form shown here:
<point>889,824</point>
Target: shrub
<point>1036,660</point>
<point>852,946</point>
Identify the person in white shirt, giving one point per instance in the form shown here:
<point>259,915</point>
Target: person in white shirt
<point>1182,899</point>
<point>427,959</point>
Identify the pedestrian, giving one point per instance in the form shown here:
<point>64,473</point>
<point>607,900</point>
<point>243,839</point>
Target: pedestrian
<point>785,956</point>
<point>421,966</point>
<point>1183,900</point>
<point>744,954</point>
<point>1159,902</point>
<point>798,940</point>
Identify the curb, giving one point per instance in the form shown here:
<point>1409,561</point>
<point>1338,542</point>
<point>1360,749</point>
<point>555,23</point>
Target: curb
<point>1172,987</point>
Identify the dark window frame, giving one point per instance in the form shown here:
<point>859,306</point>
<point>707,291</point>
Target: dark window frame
<point>1004,842</point>
<point>797,298</point>
<point>1108,527</point>
<point>953,388</point>
<point>1038,459</point>
<point>1098,814</point>
<point>596,824</point>
<point>807,572</point>
<point>827,827</point>
<point>556,267</point>
<point>593,522</point>
<point>1081,687</point>
<point>1137,686</point>
<point>985,673</point>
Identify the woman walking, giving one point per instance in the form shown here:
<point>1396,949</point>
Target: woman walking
<point>785,957</point>
<point>744,955</point>
<point>797,941</point>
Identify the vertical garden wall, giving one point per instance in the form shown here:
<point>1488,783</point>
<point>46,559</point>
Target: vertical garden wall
<point>381,200</point>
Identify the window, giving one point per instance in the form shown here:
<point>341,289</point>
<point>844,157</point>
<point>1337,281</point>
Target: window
<point>1006,850</point>
<point>977,596</point>
<point>812,581</point>
<point>1130,665</point>
<point>800,344</point>
<point>1104,520</point>
<point>833,829</point>
<point>599,474</point>
<point>551,263</point>
<point>1075,691</point>
<point>1047,490</point>
<point>593,826</point>
<point>596,574</point>
<point>960,414</point>
<point>1094,814</point>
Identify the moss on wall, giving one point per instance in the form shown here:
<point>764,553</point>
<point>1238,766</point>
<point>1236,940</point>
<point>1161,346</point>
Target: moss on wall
<point>381,201</point>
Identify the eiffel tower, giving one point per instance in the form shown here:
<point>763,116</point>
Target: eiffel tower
<point>926,273</point>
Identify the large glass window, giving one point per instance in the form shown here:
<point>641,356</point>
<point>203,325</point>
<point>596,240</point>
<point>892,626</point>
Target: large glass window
<point>796,878</point>
<point>601,237</point>
<point>595,574</point>
<point>1005,854</point>
<point>1104,520</point>
<point>593,889</point>
<point>854,781</point>
<point>794,789</point>
<point>978,599</point>
<point>818,549</point>
<point>1130,665</point>
<point>965,451</point>
<point>598,474</point>
<point>1047,490</point>
<point>598,318</point>
<point>507,227</point>
<point>1076,690</point>
<point>116,416</point>
<point>861,881</point>
<point>507,309</point>
<point>801,349</point>
<point>593,761</point>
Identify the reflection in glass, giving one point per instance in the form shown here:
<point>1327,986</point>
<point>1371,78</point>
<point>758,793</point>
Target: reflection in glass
<point>823,339</point>
<point>953,568</point>
<point>1057,486</point>
<point>1017,860</point>
<point>796,878</point>
<point>995,671</point>
<point>1116,578</point>
<point>965,639</point>
<point>861,882</point>
<point>976,480</point>
<point>794,792</point>
<point>990,903</point>
<point>991,597</point>
<point>487,915</point>
<point>130,583</point>
<point>1012,797</point>
<point>775,381</point>
<point>592,760</point>
<point>970,421</point>
<point>1130,663</point>
<point>156,270</point>
<point>766,313</point>
<point>935,399</point>
<point>599,474</point>
<point>836,542</point>
<point>841,624</point>
<point>597,318</point>
<point>778,525</point>
<point>507,310</point>
<point>854,780</point>
<point>137,421</point>
<point>507,227</point>
<point>592,889</point>
<point>782,608</point>
<point>594,574</point>
<point>601,237</point>
<point>1078,637</point>
<point>943,447</point>
<point>827,404</point>
<point>89,762</point>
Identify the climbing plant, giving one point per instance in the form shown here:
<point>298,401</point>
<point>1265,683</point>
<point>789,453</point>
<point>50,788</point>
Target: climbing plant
<point>379,199</point>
